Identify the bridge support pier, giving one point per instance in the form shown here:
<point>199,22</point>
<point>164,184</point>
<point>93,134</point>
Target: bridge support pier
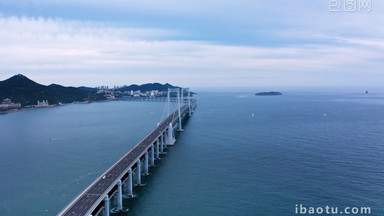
<point>146,164</point>
<point>106,205</point>
<point>157,149</point>
<point>164,140</point>
<point>119,196</point>
<point>138,172</point>
<point>130,189</point>
<point>152,155</point>
<point>161,144</point>
<point>171,140</point>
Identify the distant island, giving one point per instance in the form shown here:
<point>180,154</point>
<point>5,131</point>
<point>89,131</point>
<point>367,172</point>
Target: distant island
<point>268,93</point>
<point>19,93</point>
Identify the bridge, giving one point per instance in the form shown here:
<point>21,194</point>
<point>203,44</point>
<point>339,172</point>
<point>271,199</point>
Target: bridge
<point>151,99</point>
<point>97,197</point>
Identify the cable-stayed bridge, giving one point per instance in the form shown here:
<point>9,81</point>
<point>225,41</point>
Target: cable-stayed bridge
<point>96,199</point>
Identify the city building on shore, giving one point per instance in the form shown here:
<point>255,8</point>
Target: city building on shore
<point>7,104</point>
<point>43,103</point>
<point>154,93</point>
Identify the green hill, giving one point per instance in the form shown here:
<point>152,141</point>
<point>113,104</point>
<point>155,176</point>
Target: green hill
<point>147,87</point>
<point>22,90</point>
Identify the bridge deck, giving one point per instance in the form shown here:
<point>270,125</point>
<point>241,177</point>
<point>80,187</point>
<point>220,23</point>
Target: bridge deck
<point>88,200</point>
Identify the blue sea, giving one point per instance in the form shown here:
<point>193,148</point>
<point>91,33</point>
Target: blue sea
<point>240,154</point>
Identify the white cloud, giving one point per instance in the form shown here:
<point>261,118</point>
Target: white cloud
<point>51,49</point>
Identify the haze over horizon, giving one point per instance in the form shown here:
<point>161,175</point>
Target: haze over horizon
<point>197,43</point>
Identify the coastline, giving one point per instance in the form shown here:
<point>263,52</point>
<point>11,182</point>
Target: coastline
<point>25,109</point>
<point>50,106</point>
<point>56,105</point>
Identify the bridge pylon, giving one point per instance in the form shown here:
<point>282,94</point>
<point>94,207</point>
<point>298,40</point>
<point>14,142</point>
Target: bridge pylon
<point>179,93</point>
<point>189,103</point>
<point>179,100</point>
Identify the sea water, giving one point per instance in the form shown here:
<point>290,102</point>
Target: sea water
<point>239,154</point>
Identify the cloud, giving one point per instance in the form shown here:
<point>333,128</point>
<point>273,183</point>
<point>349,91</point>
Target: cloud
<point>52,49</point>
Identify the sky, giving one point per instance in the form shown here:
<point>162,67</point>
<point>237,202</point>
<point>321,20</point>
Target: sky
<point>199,43</point>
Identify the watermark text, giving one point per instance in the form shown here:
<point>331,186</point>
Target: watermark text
<point>300,209</point>
<point>350,5</point>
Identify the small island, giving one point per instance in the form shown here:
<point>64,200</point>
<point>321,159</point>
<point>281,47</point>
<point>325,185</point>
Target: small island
<point>268,93</point>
